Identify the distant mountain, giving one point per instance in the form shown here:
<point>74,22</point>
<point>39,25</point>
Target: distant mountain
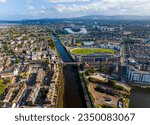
<point>121,17</point>
<point>29,21</point>
<point>90,17</point>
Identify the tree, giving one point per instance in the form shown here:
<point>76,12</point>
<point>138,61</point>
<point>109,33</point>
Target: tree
<point>104,69</point>
<point>90,71</point>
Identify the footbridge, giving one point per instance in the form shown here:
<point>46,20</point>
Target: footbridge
<point>68,63</point>
<point>71,63</point>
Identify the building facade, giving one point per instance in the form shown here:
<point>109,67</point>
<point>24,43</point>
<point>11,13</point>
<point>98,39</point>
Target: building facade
<point>138,76</point>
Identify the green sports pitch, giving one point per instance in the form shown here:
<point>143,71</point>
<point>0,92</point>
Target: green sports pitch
<point>87,51</point>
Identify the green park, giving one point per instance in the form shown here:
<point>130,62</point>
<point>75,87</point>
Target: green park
<point>87,51</point>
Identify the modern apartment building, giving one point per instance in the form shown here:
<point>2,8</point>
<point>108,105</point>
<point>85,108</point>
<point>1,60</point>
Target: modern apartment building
<point>139,73</point>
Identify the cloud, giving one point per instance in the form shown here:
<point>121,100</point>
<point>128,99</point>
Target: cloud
<point>30,7</point>
<point>3,1</point>
<point>75,8</point>
<point>67,1</point>
<point>105,7</point>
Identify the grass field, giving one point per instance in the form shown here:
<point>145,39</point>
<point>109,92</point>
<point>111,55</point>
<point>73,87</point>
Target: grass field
<point>87,51</point>
<point>2,87</point>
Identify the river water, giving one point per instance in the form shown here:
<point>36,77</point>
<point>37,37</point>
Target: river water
<point>73,94</point>
<point>140,98</point>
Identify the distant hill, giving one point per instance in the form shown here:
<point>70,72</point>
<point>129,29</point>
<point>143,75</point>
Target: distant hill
<point>90,17</point>
<point>102,17</point>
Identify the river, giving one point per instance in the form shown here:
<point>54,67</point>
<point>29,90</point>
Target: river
<point>73,94</point>
<point>140,98</point>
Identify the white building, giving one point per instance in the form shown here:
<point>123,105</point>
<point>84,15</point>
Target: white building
<point>88,43</point>
<point>115,46</point>
<point>16,72</point>
<point>70,31</point>
<point>137,76</point>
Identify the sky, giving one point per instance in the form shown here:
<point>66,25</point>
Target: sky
<point>37,9</point>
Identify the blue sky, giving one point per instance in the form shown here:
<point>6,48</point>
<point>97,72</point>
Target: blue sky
<point>35,9</point>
